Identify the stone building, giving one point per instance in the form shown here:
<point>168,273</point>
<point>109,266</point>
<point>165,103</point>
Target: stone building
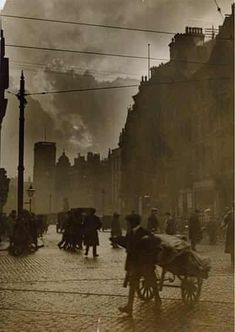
<point>176,146</point>
<point>88,182</point>
<point>85,183</point>
<point>63,181</point>
<point>44,176</point>
<point>115,171</point>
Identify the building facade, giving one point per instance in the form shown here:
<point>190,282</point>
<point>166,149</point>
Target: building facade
<point>44,176</point>
<point>177,143</point>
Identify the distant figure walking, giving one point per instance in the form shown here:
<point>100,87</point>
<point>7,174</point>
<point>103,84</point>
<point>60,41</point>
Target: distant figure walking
<point>92,224</point>
<point>170,224</point>
<point>153,223</point>
<point>195,231</point>
<point>116,230</point>
<point>229,244</point>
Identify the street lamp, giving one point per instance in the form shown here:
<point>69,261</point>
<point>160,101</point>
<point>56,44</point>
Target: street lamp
<point>30,192</point>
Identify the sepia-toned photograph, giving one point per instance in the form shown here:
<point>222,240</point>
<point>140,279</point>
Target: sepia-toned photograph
<point>117,165</point>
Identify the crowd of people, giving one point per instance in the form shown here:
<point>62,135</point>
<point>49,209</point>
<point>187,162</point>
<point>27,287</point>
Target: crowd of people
<point>23,232</point>
<point>80,228</point>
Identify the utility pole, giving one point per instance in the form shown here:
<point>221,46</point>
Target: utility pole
<point>4,82</point>
<point>23,102</point>
<point>149,75</point>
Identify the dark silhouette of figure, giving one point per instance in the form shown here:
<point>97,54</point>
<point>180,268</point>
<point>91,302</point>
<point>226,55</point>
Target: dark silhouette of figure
<point>78,229</point>
<point>229,243</point>
<point>92,224</point>
<point>170,224</point>
<point>195,231</point>
<point>66,232</point>
<point>116,230</point>
<point>25,234</point>
<point>33,228</point>
<point>211,225</point>
<point>11,226</point>
<point>153,223</point>
<point>138,264</point>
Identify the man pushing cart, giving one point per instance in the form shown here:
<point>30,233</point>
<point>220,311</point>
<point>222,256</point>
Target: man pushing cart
<point>172,254</point>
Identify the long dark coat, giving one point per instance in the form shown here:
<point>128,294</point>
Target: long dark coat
<point>170,226</point>
<point>195,231</point>
<point>153,223</point>
<point>229,222</point>
<point>136,253</point>
<point>116,227</point>
<point>91,226</point>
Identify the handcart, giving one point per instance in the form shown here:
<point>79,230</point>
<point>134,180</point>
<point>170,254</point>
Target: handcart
<point>177,266</point>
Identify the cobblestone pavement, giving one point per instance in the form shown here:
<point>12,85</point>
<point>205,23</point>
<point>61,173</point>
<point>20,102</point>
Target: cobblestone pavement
<point>54,290</point>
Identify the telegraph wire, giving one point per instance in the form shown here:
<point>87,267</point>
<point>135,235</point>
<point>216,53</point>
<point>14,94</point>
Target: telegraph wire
<point>84,52</point>
<point>145,84</point>
<point>115,27</point>
<point>90,24</point>
<point>219,9</point>
<point>128,56</point>
<point>77,70</point>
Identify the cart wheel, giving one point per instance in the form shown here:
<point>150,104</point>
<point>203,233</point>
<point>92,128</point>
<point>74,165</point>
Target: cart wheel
<point>191,290</point>
<point>145,290</point>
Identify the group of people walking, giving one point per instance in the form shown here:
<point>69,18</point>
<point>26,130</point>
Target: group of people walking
<point>81,229</point>
<point>22,232</point>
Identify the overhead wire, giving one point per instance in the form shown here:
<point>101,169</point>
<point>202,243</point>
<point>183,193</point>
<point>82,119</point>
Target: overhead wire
<point>113,54</point>
<point>84,52</point>
<point>96,25</point>
<point>146,84</point>
<point>75,69</point>
<point>90,24</point>
<point>218,8</point>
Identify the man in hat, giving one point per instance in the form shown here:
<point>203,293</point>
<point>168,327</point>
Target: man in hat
<point>116,230</point>
<point>92,224</point>
<point>170,224</point>
<point>153,223</point>
<point>195,231</point>
<point>137,262</point>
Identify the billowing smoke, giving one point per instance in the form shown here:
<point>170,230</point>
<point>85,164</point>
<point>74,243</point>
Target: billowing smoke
<point>85,121</point>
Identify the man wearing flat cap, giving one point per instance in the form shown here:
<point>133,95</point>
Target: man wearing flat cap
<point>137,262</point>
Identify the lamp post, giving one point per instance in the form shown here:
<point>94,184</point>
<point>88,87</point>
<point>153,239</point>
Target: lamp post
<point>22,100</point>
<point>30,192</point>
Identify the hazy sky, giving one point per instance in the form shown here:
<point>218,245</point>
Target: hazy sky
<point>86,121</point>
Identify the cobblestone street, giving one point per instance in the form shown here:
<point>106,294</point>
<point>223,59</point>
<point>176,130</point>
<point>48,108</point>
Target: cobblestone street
<point>54,290</point>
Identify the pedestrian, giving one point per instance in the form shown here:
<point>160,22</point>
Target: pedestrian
<point>34,230</point>
<point>92,224</point>
<point>11,226</point>
<point>153,223</point>
<point>137,264</point>
<point>65,233</point>
<point>170,224</point>
<point>116,230</point>
<point>79,230</point>
<point>229,243</point>
<point>195,231</point>
<point>211,226</point>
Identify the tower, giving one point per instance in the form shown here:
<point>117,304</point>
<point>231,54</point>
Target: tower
<point>44,176</point>
<point>62,186</point>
